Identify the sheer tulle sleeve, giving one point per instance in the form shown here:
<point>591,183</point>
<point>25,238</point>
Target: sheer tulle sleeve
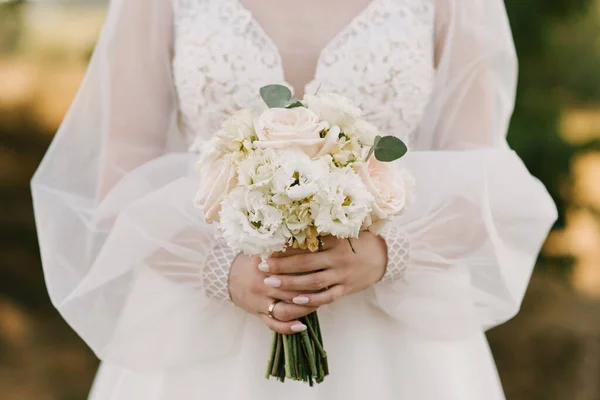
<point>479,218</point>
<point>122,246</point>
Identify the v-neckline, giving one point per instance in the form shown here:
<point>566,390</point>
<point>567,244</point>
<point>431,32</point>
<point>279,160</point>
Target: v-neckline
<point>363,13</point>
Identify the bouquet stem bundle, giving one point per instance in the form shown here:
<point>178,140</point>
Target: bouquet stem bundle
<point>301,356</point>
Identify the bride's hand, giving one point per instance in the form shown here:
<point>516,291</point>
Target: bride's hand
<point>329,274</point>
<point>248,291</point>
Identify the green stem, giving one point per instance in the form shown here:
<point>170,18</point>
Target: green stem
<point>272,357</point>
<point>277,356</point>
<point>324,358</point>
<point>311,355</point>
<point>370,153</point>
<point>301,361</point>
<point>295,357</point>
<point>287,351</point>
<point>351,246</point>
<point>315,337</point>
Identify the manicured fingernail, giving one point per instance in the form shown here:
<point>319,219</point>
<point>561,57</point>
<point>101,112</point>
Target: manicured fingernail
<point>300,300</point>
<point>264,266</point>
<point>298,328</point>
<point>272,281</point>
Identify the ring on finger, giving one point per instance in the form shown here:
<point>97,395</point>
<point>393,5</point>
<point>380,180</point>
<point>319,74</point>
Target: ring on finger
<point>272,308</point>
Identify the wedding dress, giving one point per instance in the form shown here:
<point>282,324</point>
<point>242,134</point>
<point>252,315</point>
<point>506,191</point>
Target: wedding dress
<point>133,268</point>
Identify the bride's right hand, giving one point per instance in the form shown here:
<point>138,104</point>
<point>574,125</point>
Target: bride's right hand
<point>248,291</point>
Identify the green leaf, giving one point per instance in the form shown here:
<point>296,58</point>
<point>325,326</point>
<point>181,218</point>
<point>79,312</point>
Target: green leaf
<point>389,148</point>
<point>276,96</point>
<point>295,104</point>
<point>375,142</point>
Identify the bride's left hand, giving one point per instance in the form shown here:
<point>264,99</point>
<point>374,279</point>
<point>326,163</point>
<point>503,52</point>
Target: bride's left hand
<point>331,273</point>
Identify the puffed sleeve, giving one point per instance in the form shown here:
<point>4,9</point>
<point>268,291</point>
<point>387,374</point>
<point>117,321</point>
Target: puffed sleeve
<point>122,245</point>
<point>479,218</point>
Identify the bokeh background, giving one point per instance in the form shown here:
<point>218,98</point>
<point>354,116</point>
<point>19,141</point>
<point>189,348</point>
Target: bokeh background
<point>550,351</point>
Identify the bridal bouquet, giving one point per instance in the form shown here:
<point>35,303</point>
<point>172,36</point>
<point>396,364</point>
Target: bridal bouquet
<point>297,172</point>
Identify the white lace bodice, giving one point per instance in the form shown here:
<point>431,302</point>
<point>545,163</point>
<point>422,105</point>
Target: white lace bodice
<point>383,59</point>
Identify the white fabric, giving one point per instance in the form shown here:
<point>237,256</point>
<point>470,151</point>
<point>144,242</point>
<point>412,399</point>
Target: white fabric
<point>123,248</point>
<point>215,277</point>
<point>382,59</point>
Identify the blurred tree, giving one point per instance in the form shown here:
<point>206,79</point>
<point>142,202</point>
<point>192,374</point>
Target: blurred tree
<point>11,23</point>
<point>559,63</point>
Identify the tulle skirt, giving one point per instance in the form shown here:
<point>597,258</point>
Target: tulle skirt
<point>126,273</point>
<point>370,357</point>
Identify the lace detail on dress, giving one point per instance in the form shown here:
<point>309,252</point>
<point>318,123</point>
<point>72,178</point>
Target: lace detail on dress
<point>398,247</point>
<point>221,60</point>
<point>216,272</point>
<point>383,60</point>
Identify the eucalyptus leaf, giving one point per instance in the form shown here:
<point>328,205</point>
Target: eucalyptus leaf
<point>389,148</point>
<point>375,142</point>
<point>295,104</point>
<point>276,96</point>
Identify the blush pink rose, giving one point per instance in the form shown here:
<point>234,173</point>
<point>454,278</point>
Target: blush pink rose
<point>218,177</point>
<point>391,187</point>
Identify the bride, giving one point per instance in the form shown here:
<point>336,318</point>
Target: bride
<point>173,314</point>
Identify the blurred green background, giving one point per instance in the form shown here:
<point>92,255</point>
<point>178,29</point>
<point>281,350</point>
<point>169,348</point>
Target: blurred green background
<point>551,350</point>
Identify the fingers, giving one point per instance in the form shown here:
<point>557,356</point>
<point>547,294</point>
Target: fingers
<point>329,242</point>
<point>320,298</point>
<point>286,312</point>
<point>299,263</point>
<point>286,328</point>
<point>278,294</point>
<point>303,283</point>
<point>289,252</point>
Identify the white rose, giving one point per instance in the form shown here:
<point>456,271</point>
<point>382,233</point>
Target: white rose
<point>333,108</point>
<point>217,178</point>
<point>391,187</point>
<point>281,128</point>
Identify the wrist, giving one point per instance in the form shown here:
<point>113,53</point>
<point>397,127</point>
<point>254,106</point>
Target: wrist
<point>383,250</point>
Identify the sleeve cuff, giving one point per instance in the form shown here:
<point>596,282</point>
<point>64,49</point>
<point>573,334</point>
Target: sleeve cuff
<point>216,272</point>
<point>398,247</point>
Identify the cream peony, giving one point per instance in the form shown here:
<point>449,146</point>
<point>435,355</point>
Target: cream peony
<point>391,187</point>
<point>219,177</point>
<point>281,128</point>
